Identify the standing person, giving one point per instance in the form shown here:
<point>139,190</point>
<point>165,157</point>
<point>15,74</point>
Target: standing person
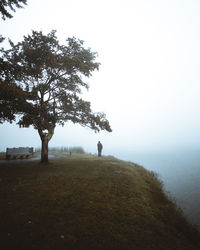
<point>99,147</point>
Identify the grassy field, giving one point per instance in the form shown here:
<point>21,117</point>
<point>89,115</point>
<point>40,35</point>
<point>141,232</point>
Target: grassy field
<point>86,202</point>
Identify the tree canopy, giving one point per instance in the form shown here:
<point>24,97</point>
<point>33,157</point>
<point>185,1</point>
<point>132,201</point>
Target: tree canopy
<point>12,97</point>
<point>9,5</point>
<point>52,76</point>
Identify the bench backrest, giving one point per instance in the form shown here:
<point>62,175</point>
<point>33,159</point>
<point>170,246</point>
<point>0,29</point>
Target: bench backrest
<point>19,151</point>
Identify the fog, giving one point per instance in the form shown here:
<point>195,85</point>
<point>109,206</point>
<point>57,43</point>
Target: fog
<point>148,82</point>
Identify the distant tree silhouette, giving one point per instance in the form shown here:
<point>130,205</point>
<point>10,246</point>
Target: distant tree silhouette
<point>11,5</point>
<point>51,77</point>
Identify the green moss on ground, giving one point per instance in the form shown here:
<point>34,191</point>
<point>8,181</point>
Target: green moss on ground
<point>85,202</point>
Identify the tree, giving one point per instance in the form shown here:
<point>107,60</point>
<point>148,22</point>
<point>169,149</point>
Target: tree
<point>10,4</point>
<point>52,77</point>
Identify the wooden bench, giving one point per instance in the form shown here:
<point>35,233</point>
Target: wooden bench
<point>19,152</point>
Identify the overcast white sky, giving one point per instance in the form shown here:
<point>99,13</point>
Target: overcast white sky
<point>148,82</point>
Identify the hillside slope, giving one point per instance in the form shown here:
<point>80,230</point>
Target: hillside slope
<point>88,203</point>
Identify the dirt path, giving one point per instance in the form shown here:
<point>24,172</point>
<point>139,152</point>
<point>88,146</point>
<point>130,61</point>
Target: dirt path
<point>36,157</point>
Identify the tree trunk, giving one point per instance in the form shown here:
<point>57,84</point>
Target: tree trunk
<point>44,151</point>
<point>45,138</point>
